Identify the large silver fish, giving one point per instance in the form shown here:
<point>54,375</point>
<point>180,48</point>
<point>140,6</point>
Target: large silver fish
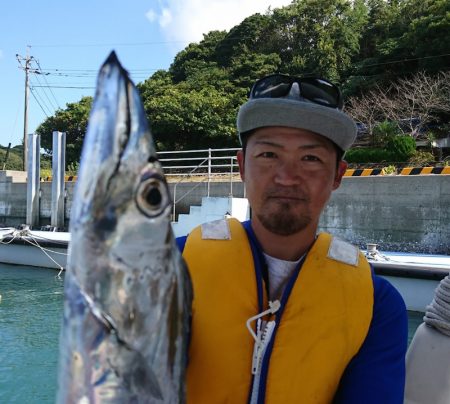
<point>127,291</point>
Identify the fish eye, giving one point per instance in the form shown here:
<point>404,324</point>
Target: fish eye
<point>152,196</point>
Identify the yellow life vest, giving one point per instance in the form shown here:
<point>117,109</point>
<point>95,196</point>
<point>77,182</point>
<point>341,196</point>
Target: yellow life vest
<point>323,323</point>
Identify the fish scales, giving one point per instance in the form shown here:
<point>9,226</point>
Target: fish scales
<point>127,291</point>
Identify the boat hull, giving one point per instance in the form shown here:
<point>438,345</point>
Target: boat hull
<point>415,276</point>
<point>33,256</point>
<point>417,293</point>
<point>34,248</point>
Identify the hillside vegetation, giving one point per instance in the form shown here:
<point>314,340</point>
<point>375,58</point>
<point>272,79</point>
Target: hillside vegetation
<point>364,45</point>
<point>14,161</point>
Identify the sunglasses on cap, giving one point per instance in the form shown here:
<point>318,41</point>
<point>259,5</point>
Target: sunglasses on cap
<point>314,89</point>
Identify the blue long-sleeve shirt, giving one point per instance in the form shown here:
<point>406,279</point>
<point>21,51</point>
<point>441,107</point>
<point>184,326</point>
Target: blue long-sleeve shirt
<point>376,374</point>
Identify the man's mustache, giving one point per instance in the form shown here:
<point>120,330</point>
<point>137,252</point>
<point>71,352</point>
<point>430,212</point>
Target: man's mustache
<point>294,192</point>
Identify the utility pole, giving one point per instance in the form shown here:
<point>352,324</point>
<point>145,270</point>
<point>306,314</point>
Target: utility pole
<point>26,68</point>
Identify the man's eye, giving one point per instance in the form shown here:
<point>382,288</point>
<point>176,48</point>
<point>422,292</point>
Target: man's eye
<point>310,157</point>
<point>267,155</point>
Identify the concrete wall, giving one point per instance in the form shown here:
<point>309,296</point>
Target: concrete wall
<point>401,213</point>
<point>13,198</point>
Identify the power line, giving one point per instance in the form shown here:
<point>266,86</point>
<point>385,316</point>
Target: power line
<point>406,60</point>
<point>141,73</point>
<point>15,123</point>
<point>107,44</point>
<point>93,70</point>
<point>77,87</point>
<point>45,79</point>
<point>70,75</point>
<point>226,38</point>
<point>37,94</point>
<point>75,83</point>
<point>32,93</point>
<point>36,77</point>
<point>90,72</point>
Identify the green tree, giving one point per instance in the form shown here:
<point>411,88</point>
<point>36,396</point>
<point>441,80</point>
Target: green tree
<point>72,120</point>
<point>188,118</point>
<point>384,131</point>
<point>319,36</point>
<point>249,66</point>
<point>254,35</point>
<point>14,161</point>
<point>401,38</point>
<point>195,113</point>
<point>427,34</point>
<point>404,146</point>
<point>195,54</point>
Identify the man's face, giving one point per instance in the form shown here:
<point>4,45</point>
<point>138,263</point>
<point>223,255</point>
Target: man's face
<point>289,175</point>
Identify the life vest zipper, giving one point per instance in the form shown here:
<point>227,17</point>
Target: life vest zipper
<point>262,337</point>
<point>260,379</point>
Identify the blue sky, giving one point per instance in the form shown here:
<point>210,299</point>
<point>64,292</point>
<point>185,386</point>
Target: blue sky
<point>70,40</point>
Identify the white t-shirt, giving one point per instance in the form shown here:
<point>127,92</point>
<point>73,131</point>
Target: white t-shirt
<point>279,273</point>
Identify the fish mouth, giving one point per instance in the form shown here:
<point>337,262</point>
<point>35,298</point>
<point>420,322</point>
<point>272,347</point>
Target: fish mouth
<point>118,131</point>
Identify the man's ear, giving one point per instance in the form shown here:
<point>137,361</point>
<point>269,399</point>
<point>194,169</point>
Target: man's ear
<point>241,158</point>
<point>342,167</point>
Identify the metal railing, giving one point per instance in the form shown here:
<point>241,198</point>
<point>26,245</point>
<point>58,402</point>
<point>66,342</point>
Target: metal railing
<point>203,165</point>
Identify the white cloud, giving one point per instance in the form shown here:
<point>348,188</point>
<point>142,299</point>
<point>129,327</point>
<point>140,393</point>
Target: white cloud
<point>151,15</point>
<point>188,20</point>
<point>1,54</point>
<point>165,18</point>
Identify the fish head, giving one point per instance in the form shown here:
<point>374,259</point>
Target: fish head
<point>121,196</point>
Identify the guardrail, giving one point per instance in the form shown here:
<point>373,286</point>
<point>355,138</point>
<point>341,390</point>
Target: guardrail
<point>199,162</point>
<point>206,165</point>
<point>202,165</point>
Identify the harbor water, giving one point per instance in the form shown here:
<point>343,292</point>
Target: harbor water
<point>30,316</point>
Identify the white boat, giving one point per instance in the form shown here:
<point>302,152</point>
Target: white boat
<point>45,249</point>
<point>415,276</point>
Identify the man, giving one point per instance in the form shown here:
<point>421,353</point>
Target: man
<point>281,314</point>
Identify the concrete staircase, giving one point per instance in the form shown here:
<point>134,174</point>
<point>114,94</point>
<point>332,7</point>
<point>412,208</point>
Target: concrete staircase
<point>212,208</point>
<point>13,176</point>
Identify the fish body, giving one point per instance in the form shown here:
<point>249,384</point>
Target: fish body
<point>127,290</point>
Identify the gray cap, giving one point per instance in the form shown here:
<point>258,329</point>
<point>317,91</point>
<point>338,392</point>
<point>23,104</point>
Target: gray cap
<point>296,113</point>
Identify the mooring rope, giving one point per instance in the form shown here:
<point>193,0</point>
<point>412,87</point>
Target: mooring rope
<point>29,238</point>
<point>437,313</point>
<point>10,232</point>
<point>35,243</point>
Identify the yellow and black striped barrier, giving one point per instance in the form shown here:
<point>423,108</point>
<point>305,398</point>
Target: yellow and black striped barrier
<point>67,178</point>
<point>366,172</point>
<point>424,170</point>
<point>350,172</point>
<point>363,172</point>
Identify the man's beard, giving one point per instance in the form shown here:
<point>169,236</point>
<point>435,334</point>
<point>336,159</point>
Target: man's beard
<point>284,220</point>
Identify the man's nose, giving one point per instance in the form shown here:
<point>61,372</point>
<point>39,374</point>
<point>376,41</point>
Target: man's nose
<point>288,173</point>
